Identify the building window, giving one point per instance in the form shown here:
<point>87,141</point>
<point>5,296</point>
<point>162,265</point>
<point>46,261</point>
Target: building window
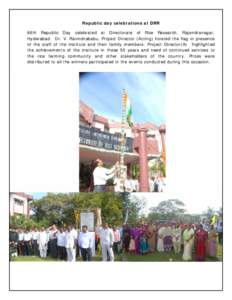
<point>18,202</point>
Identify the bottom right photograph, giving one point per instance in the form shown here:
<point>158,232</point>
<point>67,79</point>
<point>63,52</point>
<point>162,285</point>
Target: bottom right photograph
<point>170,230</point>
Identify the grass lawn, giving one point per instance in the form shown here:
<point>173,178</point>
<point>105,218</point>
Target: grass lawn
<point>157,256</point>
<point>165,256</point>
<point>39,259</point>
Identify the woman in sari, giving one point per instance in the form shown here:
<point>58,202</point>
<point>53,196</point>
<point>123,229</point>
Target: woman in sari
<point>212,242</point>
<point>201,239</point>
<point>143,244</point>
<point>167,238</point>
<point>188,235</point>
<point>160,243</point>
<point>150,234</point>
<point>176,238</point>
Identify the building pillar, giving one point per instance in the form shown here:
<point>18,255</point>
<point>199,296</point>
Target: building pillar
<point>143,163</point>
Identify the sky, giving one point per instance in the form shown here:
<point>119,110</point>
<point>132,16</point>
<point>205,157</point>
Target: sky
<point>192,207</point>
<point>102,91</point>
<point>37,195</point>
<point>153,199</point>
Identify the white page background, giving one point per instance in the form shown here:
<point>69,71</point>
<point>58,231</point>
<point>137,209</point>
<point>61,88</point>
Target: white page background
<point>27,275</point>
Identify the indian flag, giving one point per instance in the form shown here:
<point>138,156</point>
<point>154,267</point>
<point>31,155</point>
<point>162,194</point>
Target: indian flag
<point>127,103</point>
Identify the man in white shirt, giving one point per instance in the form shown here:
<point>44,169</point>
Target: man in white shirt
<point>101,175</point>
<point>70,245</point>
<point>61,244</point>
<point>75,236</point>
<point>107,241</point>
<point>34,238</point>
<point>27,242</point>
<point>43,242</point>
<point>85,242</point>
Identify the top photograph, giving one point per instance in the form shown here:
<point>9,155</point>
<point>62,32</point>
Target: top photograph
<point>122,132</point>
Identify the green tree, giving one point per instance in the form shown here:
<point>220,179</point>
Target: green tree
<point>21,221</point>
<point>60,208</point>
<point>133,205</point>
<point>167,210</point>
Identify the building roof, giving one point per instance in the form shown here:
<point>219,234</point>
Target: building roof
<point>147,125</point>
<point>21,194</point>
<point>86,112</point>
<point>101,119</point>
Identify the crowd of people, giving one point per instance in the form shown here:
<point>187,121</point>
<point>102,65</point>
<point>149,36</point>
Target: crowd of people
<point>130,184</point>
<point>194,241</point>
<point>67,243</point>
<point>191,241</point>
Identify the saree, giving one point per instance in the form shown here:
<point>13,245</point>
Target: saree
<point>167,240</point>
<point>160,243</point>
<point>176,239</point>
<point>200,244</point>
<point>212,244</point>
<point>188,244</point>
<point>150,234</point>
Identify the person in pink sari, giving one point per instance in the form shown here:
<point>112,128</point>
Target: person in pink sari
<point>212,242</point>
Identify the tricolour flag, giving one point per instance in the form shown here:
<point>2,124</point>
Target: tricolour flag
<point>128,109</point>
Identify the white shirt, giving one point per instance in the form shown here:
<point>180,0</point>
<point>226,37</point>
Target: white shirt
<point>106,236</point>
<point>21,236</point>
<point>42,238</point>
<point>52,234</point>
<point>34,235</point>
<point>61,239</point>
<point>117,185</point>
<point>27,237</point>
<point>128,185</point>
<point>135,185</point>
<point>69,240</point>
<point>74,233</point>
<point>101,175</point>
<point>85,240</point>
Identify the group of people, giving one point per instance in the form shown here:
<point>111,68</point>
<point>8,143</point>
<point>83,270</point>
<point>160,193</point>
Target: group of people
<point>67,243</point>
<point>129,184</point>
<point>192,241</point>
<point>166,237</point>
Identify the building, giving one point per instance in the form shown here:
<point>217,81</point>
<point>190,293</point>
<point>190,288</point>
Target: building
<point>99,137</point>
<point>20,204</point>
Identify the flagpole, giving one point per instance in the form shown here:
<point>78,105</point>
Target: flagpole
<point>123,139</point>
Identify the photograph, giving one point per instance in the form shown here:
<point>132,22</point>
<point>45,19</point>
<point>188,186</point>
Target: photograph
<point>122,132</point>
<point>133,227</point>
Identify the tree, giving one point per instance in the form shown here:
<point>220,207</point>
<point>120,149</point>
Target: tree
<point>167,210</point>
<point>134,205</point>
<point>21,221</point>
<point>60,208</point>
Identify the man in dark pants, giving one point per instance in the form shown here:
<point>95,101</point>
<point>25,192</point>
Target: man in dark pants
<point>34,235</point>
<point>27,243</point>
<point>20,246</point>
<point>53,241</point>
<point>85,242</point>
